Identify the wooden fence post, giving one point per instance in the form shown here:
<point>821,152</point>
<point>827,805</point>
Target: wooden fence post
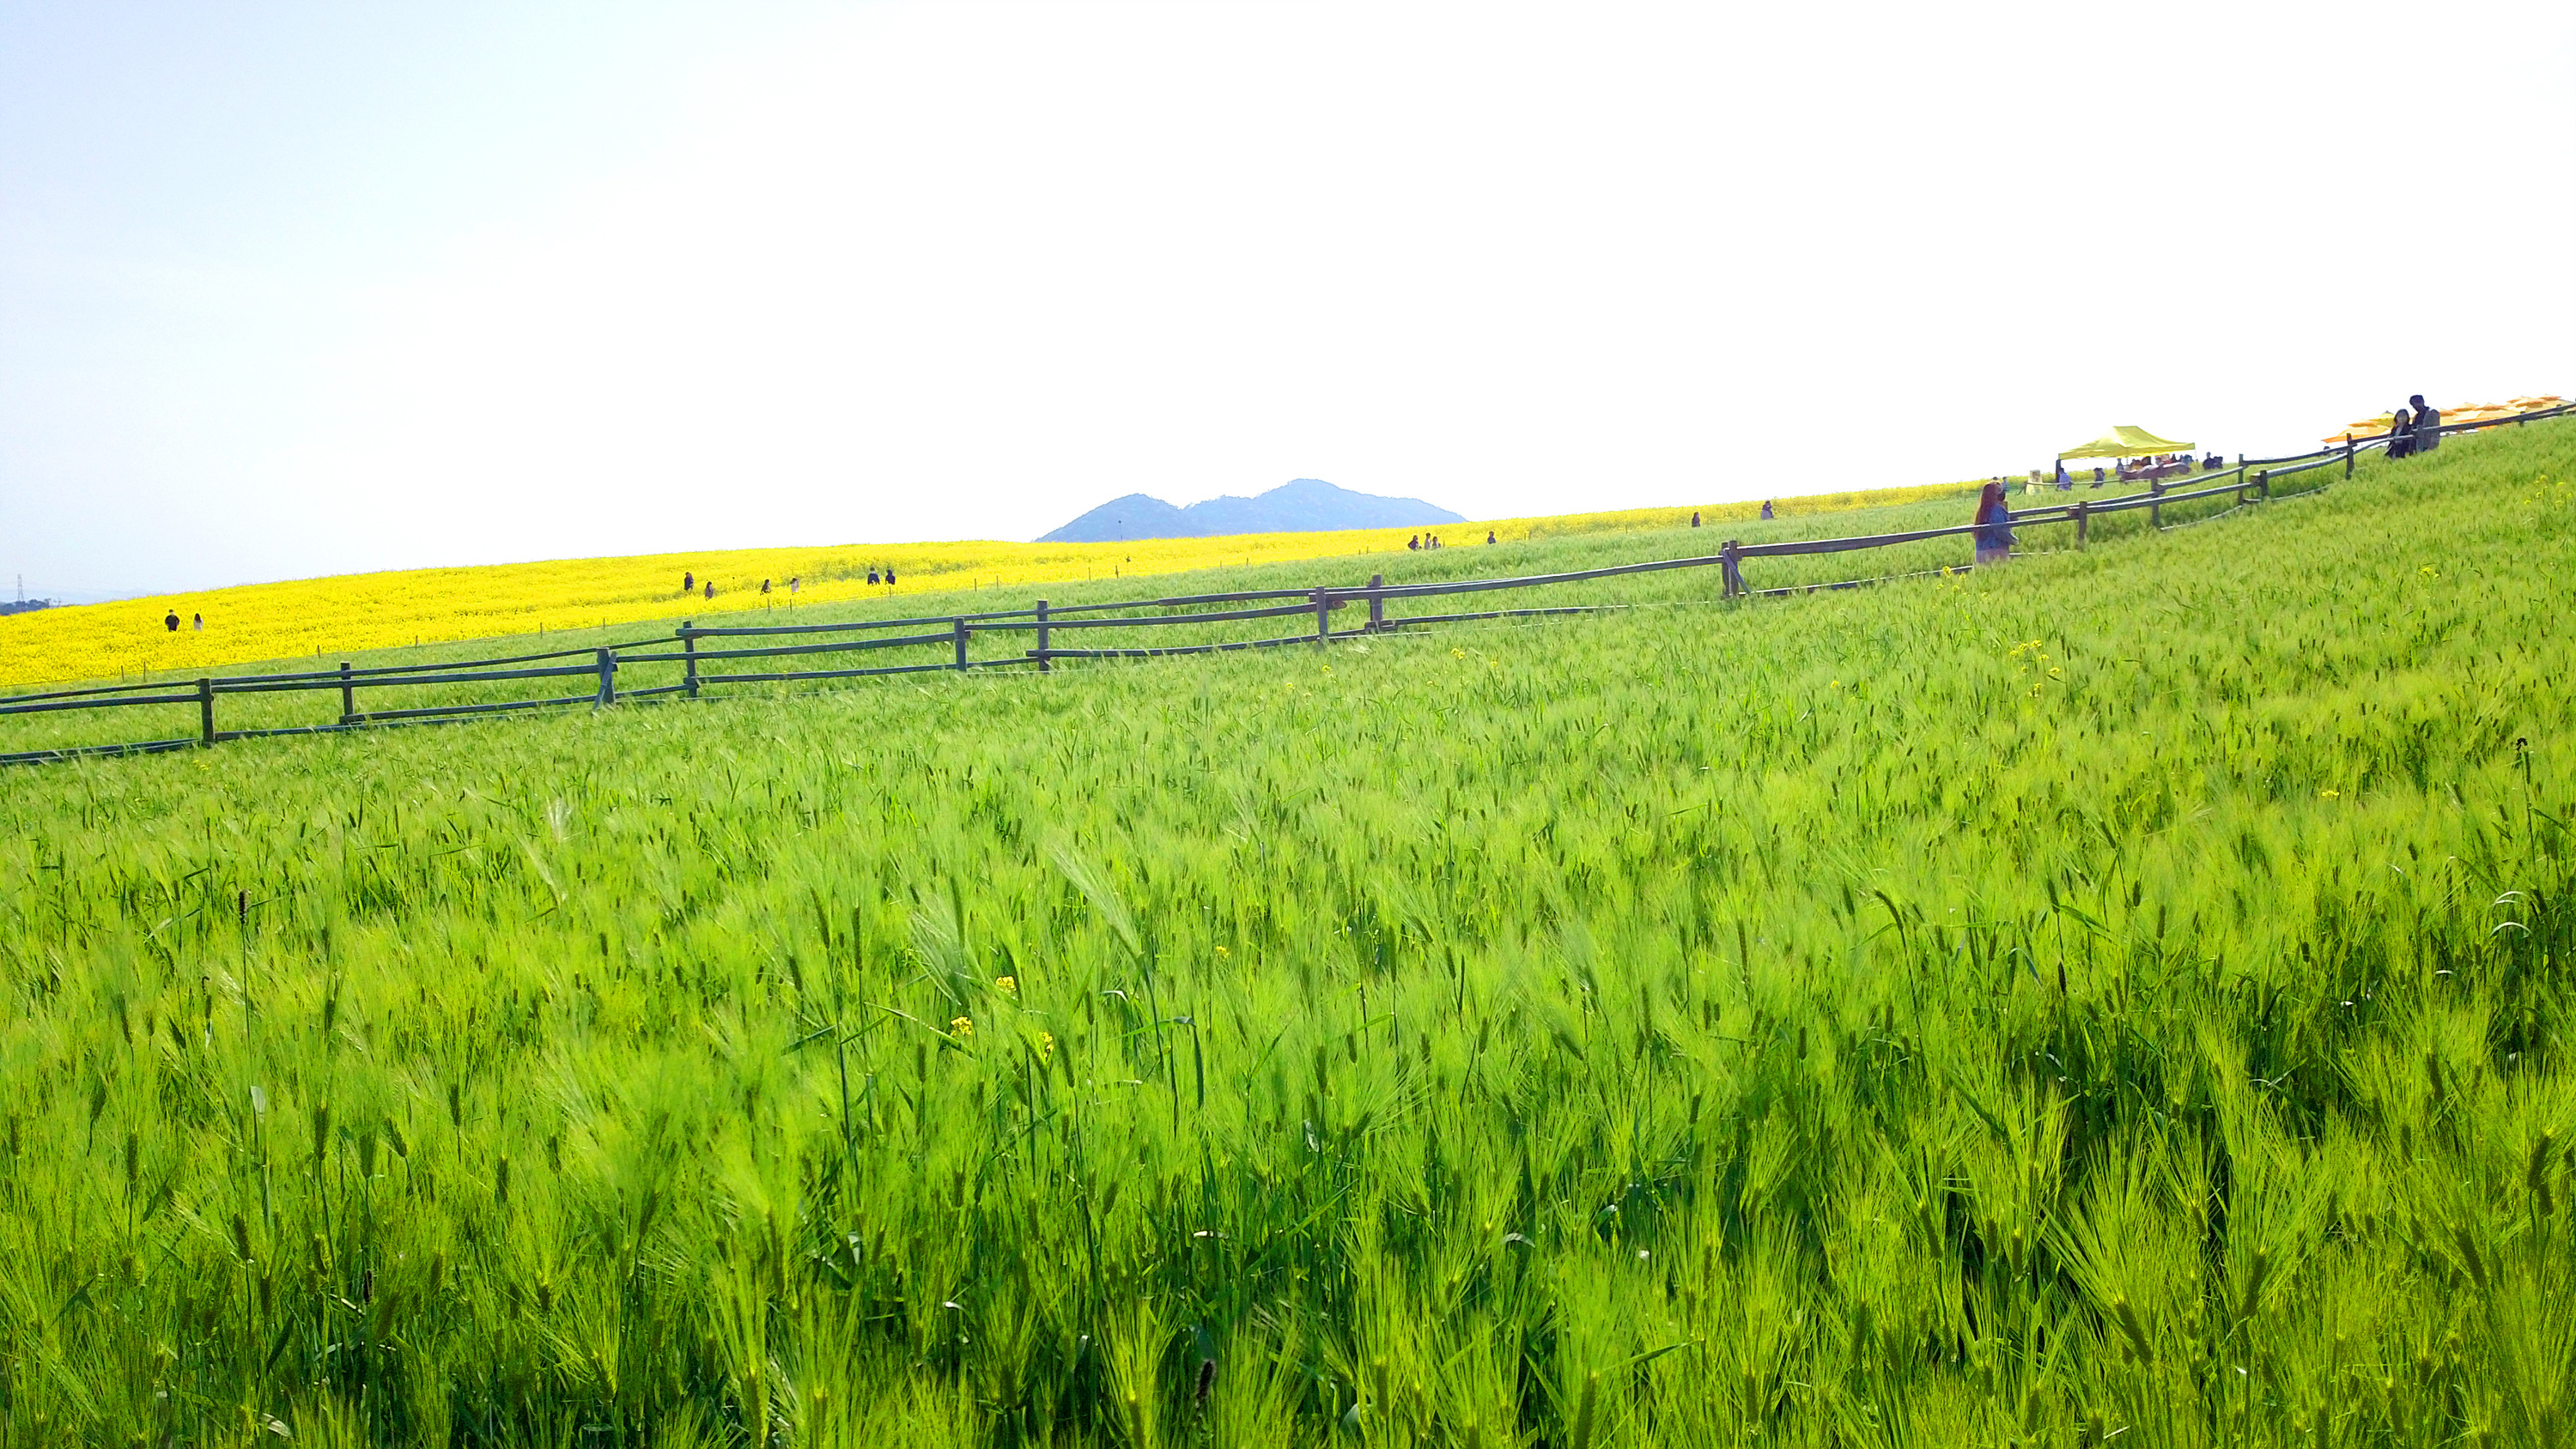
<point>960,623</point>
<point>2347,455</point>
<point>607,680</point>
<point>689,664</point>
<point>2079,522</point>
<point>1729,571</point>
<point>1377,603</point>
<point>2155,511</point>
<point>1045,664</point>
<point>348,696</point>
<point>2263,481</point>
<point>1323,616</point>
<point>205,711</point>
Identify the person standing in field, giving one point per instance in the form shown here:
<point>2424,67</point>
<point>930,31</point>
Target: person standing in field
<point>2401,434</point>
<point>711,588</point>
<point>688,581</point>
<point>172,622</point>
<point>889,576</point>
<point>1489,535</point>
<point>1994,526</point>
<point>1766,508</point>
<point>2428,425</point>
<point>1694,518</point>
<point>764,588</point>
<point>201,623</point>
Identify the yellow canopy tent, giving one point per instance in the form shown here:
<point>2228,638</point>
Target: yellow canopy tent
<point>2126,442</point>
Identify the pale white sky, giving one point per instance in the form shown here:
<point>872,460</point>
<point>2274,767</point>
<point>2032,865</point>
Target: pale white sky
<point>300,289</point>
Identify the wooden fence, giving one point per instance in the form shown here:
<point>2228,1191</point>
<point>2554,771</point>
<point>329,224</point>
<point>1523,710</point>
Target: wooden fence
<point>719,656</point>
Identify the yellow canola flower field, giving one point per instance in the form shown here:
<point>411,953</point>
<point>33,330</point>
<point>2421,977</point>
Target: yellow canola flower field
<point>327,618</point>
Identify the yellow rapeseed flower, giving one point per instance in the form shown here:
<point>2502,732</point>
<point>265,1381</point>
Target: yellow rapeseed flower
<point>961,1026</point>
<point>1009,985</point>
<point>326,618</point>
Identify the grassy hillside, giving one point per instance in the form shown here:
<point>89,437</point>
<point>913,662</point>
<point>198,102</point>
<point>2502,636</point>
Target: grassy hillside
<point>304,618</point>
<point>2120,997</point>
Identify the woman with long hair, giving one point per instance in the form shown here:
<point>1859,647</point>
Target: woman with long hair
<point>1994,526</point>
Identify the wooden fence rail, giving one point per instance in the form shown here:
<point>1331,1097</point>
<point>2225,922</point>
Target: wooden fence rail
<point>2250,480</point>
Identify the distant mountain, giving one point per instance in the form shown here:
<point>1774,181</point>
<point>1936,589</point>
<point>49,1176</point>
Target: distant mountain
<point>1307,505</point>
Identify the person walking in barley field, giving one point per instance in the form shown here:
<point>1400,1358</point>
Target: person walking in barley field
<point>1994,526</point>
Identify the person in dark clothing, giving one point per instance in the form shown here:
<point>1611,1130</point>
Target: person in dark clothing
<point>1489,535</point>
<point>688,582</point>
<point>711,588</point>
<point>1414,543</point>
<point>872,576</point>
<point>1694,518</point>
<point>1994,526</point>
<point>172,623</point>
<point>2401,435</point>
<point>889,577</point>
<point>764,587</point>
<point>2428,425</point>
<point>1766,508</point>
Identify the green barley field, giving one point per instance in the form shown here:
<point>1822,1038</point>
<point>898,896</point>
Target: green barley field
<point>2120,998</point>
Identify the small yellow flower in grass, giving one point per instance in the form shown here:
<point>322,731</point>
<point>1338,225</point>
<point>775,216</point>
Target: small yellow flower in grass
<point>1223,952</point>
<point>1459,653</point>
<point>1007,985</point>
<point>2328,794</point>
<point>1046,1046</point>
<point>961,1026</point>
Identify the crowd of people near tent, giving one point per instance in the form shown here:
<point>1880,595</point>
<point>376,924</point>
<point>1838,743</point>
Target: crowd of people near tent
<point>2136,455</point>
